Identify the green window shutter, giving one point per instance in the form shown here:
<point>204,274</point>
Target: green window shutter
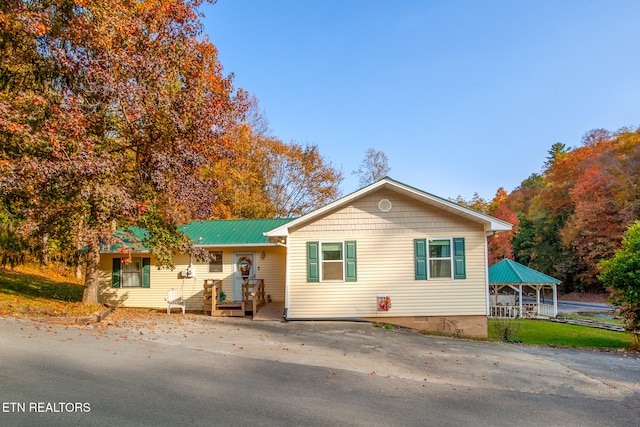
<point>115,273</point>
<point>350,261</point>
<point>420,255</point>
<point>146,272</point>
<point>313,262</point>
<point>459,269</point>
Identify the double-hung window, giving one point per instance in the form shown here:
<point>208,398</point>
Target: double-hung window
<point>331,261</point>
<point>215,264</point>
<point>439,259</point>
<point>131,272</point>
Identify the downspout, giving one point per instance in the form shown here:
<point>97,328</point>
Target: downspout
<point>286,280</point>
<point>486,278</point>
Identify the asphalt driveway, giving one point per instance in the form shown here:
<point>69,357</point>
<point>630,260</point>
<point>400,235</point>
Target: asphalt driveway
<point>165,370</point>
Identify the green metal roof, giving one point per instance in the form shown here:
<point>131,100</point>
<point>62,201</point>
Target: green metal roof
<point>508,271</point>
<point>130,238</point>
<point>232,231</point>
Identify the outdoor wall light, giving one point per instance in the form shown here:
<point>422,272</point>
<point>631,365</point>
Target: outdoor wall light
<point>263,255</point>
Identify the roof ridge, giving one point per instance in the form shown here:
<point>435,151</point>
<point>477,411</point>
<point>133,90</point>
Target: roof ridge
<point>512,267</point>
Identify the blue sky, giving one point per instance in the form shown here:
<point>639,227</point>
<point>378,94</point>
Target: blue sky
<point>462,96</point>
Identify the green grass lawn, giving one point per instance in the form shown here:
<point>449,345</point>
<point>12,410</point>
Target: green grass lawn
<point>560,334</point>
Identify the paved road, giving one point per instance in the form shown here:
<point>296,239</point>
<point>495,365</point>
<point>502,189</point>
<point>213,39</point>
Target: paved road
<point>198,370</point>
<point>577,306</point>
<point>588,307</point>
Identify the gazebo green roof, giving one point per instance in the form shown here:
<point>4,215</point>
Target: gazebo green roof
<point>508,271</point>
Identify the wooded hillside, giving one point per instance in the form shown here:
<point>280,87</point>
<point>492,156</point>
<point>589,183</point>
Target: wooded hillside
<point>574,213</point>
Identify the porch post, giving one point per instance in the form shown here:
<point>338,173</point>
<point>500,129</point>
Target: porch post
<point>555,300</point>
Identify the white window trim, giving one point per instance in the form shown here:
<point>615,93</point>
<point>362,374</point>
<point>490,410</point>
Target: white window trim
<point>450,258</point>
<point>322,261</point>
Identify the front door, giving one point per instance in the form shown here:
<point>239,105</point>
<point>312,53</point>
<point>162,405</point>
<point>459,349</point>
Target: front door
<point>245,265</point>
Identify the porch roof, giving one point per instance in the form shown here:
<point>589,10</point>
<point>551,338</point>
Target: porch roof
<point>508,271</point>
<point>210,233</point>
<point>232,232</point>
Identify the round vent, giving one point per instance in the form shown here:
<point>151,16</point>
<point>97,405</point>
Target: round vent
<point>384,205</point>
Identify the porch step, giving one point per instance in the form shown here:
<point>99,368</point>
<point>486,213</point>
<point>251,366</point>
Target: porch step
<point>233,309</point>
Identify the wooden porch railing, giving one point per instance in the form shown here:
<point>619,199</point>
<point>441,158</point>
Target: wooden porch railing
<point>253,292</point>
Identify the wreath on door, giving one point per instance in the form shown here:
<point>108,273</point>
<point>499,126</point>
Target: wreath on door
<point>244,265</point>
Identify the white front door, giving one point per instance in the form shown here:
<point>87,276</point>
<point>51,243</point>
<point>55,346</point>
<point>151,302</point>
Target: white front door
<point>244,268</point>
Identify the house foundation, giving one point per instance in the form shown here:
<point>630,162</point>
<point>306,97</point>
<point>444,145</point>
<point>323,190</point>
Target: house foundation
<point>466,326</point>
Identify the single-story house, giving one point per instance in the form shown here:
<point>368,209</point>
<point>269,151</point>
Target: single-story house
<point>388,252</point>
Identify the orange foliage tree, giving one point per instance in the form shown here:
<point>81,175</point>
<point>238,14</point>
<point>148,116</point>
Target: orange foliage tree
<point>575,213</point>
<point>111,113</point>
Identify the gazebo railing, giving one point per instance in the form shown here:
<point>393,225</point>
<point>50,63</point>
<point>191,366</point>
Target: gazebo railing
<point>505,311</point>
<point>546,310</point>
<point>528,310</point>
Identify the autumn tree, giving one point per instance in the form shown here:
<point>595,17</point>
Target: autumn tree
<point>266,178</point>
<point>374,167</point>
<point>574,214</point>
<point>111,113</point>
<point>477,203</point>
<point>621,275</point>
<point>555,153</point>
<point>298,179</point>
<point>242,178</point>
<point>500,245</point>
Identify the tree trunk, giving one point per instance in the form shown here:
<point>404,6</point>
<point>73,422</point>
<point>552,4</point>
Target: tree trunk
<point>90,293</point>
<point>44,252</point>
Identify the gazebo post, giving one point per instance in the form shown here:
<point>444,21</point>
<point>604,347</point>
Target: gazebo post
<point>520,310</point>
<point>555,300</point>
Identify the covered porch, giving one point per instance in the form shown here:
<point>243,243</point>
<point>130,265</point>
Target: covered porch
<point>253,301</point>
<point>517,291</point>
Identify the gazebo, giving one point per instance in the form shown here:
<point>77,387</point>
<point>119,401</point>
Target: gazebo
<point>507,281</point>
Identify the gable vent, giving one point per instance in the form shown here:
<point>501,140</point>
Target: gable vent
<point>384,205</point>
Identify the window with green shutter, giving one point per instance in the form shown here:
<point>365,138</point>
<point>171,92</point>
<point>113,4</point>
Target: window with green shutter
<point>134,272</point>
<point>331,261</point>
<point>439,258</point>
<point>420,255</point>
<point>459,267</point>
<point>350,262</point>
<point>146,272</point>
<point>115,273</point>
<point>313,262</point>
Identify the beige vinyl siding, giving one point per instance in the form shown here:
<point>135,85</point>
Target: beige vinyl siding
<point>385,263</point>
<point>271,269</point>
